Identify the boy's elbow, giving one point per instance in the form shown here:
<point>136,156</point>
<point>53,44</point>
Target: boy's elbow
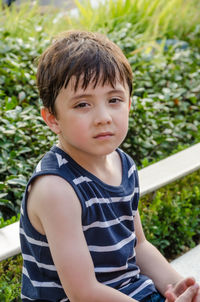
<point>86,293</point>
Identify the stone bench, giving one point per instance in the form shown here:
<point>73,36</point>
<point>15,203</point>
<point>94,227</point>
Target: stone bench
<point>9,241</point>
<point>189,263</point>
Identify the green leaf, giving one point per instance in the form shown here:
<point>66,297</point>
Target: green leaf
<point>17,181</point>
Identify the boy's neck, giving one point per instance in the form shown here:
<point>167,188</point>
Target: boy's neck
<point>107,168</point>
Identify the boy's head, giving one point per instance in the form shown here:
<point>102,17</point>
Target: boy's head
<point>84,56</point>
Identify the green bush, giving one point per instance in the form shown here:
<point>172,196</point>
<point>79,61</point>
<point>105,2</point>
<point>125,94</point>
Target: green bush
<point>164,117</point>
<point>170,216</point>
<point>165,113</point>
<point>23,135</point>
<point>13,219</point>
<point>166,101</point>
<point>10,279</point>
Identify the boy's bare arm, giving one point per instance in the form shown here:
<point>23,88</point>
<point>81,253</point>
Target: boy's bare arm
<point>152,263</point>
<point>56,206</point>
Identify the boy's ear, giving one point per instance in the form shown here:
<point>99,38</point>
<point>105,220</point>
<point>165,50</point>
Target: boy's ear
<point>50,120</point>
<point>129,105</point>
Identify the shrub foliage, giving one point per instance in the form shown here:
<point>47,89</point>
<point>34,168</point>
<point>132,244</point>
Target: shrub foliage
<point>171,218</point>
<point>10,279</point>
<point>164,116</point>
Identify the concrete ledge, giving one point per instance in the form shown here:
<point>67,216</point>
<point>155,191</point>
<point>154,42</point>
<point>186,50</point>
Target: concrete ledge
<point>169,169</point>
<point>9,241</point>
<point>189,263</point>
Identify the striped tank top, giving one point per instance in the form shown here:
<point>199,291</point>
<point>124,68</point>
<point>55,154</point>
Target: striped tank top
<point>108,225</point>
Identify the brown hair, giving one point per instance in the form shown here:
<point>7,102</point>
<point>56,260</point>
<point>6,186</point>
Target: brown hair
<point>91,56</point>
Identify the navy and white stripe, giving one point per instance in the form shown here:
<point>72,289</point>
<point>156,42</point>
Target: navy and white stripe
<point>108,225</point>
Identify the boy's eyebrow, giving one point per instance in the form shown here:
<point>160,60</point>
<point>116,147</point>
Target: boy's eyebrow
<point>116,91</point>
<point>79,96</point>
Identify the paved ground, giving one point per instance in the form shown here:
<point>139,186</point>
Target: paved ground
<point>189,263</point>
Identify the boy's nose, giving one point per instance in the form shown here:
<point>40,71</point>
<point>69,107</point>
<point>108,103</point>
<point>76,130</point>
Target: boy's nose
<point>102,116</point>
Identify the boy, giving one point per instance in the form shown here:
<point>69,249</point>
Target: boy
<point>80,228</point>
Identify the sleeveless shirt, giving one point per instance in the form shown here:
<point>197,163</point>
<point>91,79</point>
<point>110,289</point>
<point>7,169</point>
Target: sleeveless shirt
<point>108,225</point>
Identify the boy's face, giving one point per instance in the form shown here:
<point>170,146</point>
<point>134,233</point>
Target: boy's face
<point>93,121</point>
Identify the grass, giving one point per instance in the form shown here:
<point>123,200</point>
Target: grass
<point>149,19</point>
<point>30,21</point>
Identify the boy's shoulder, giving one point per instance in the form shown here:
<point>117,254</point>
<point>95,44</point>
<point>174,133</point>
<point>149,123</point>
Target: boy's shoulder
<point>127,157</point>
<point>52,166</point>
<point>54,159</point>
<point>44,193</point>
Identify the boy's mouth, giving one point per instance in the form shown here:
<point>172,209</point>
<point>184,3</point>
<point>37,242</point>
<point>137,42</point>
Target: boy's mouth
<point>104,135</point>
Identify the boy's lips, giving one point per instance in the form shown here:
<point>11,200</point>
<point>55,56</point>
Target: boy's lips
<point>104,135</point>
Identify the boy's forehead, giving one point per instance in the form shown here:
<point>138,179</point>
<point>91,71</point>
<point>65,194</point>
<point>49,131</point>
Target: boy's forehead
<point>77,87</point>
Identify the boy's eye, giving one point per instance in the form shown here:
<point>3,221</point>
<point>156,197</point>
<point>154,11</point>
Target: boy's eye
<point>82,105</point>
<point>115,100</point>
